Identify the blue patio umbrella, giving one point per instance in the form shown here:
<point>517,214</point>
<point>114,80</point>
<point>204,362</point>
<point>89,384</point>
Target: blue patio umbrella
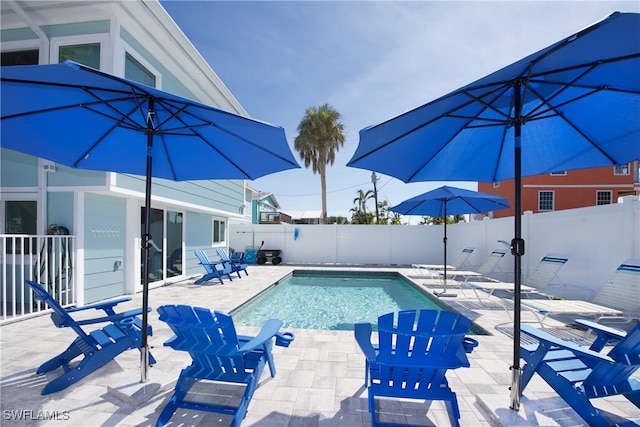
<point>572,105</point>
<point>445,201</point>
<point>83,118</point>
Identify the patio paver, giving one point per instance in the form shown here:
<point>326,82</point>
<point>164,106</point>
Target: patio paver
<point>319,381</point>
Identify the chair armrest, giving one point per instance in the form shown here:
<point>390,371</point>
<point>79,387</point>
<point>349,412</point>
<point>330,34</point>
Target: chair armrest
<point>115,318</point>
<point>362,332</point>
<point>107,306</point>
<point>553,341</point>
<point>605,334</point>
<point>268,331</point>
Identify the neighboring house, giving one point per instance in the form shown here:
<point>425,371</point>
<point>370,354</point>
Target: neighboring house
<point>569,189</point>
<point>265,209</point>
<point>306,217</point>
<point>136,40</point>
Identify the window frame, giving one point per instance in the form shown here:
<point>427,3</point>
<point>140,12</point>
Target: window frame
<point>145,66</point>
<point>553,200</point>
<point>216,224</point>
<point>120,55</point>
<point>17,197</point>
<point>599,192</point>
<point>18,45</point>
<point>619,171</point>
<point>101,39</point>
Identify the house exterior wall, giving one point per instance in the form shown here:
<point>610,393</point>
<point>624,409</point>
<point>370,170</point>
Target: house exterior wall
<point>103,209</point>
<point>575,189</point>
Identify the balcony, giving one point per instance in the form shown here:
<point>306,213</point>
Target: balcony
<point>274,218</point>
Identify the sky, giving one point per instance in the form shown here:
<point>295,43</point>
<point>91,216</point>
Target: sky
<point>369,60</point>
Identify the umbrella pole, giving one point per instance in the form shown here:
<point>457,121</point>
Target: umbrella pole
<point>444,241</point>
<point>146,246</point>
<point>517,250</point>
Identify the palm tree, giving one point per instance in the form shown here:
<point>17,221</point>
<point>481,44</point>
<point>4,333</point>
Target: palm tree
<point>320,136</point>
<point>360,215</point>
<point>438,220</point>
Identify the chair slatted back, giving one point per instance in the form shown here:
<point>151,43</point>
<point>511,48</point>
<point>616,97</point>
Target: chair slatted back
<point>622,290</point>
<point>210,339</point>
<point>204,260</point>
<point>546,271</point>
<point>415,354</point>
<point>60,317</point>
<point>222,254</point>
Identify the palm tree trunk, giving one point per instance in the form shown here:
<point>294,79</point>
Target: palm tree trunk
<point>323,184</point>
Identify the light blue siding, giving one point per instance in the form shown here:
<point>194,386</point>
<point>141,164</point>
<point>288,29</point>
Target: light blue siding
<point>68,177</point>
<point>105,240</point>
<point>226,195</point>
<point>58,30</point>
<point>77,28</point>
<point>199,229</point>
<point>60,209</point>
<point>17,169</point>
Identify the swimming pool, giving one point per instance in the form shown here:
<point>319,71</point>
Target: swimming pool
<point>334,300</point>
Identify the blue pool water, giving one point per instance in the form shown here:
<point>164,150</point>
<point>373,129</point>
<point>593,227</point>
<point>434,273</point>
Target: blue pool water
<point>332,300</point>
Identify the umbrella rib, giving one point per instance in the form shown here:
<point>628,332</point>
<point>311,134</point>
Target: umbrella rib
<point>222,129</point>
<point>563,88</point>
<point>462,127</point>
<point>488,105</point>
<point>117,123</point>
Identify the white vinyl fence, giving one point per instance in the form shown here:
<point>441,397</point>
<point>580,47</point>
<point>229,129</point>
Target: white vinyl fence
<point>596,239</point>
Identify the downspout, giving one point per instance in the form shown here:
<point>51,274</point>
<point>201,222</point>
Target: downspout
<point>44,39</point>
<point>43,57</point>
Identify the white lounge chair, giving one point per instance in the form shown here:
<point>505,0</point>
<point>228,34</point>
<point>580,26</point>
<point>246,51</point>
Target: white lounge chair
<point>546,270</point>
<point>426,270</point>
<point>483,272</point>
<point>619,299</point>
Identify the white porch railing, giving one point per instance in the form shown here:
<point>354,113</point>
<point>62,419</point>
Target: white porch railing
<point>46,259</point>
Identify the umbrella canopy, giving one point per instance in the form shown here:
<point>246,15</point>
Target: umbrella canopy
<point>447,200</point>
<point>574,104</point>
<point>83,118</point>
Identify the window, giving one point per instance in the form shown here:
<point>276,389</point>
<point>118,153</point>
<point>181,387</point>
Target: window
<point>21,217</point>
<point>134,70</point>
<point>603,197</point>
<point>85,54</point>
<point>558,173</point>
<point>621,170</point>
<point>219,231</point>
<point>20,57</point>
<point>545,201</point>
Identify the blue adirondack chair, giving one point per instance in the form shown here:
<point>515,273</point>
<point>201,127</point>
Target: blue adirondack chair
<point>411,358</point>
<point>213,270</point>
<point>580,374</point>
<point>97,347</point>
<point>236,261</point>
<point>218,354</point>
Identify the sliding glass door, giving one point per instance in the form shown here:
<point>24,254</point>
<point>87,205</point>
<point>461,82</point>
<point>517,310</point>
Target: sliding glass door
<point>165,255</point>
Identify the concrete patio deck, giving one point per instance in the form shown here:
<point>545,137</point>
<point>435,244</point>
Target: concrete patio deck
<point>319,379</point>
